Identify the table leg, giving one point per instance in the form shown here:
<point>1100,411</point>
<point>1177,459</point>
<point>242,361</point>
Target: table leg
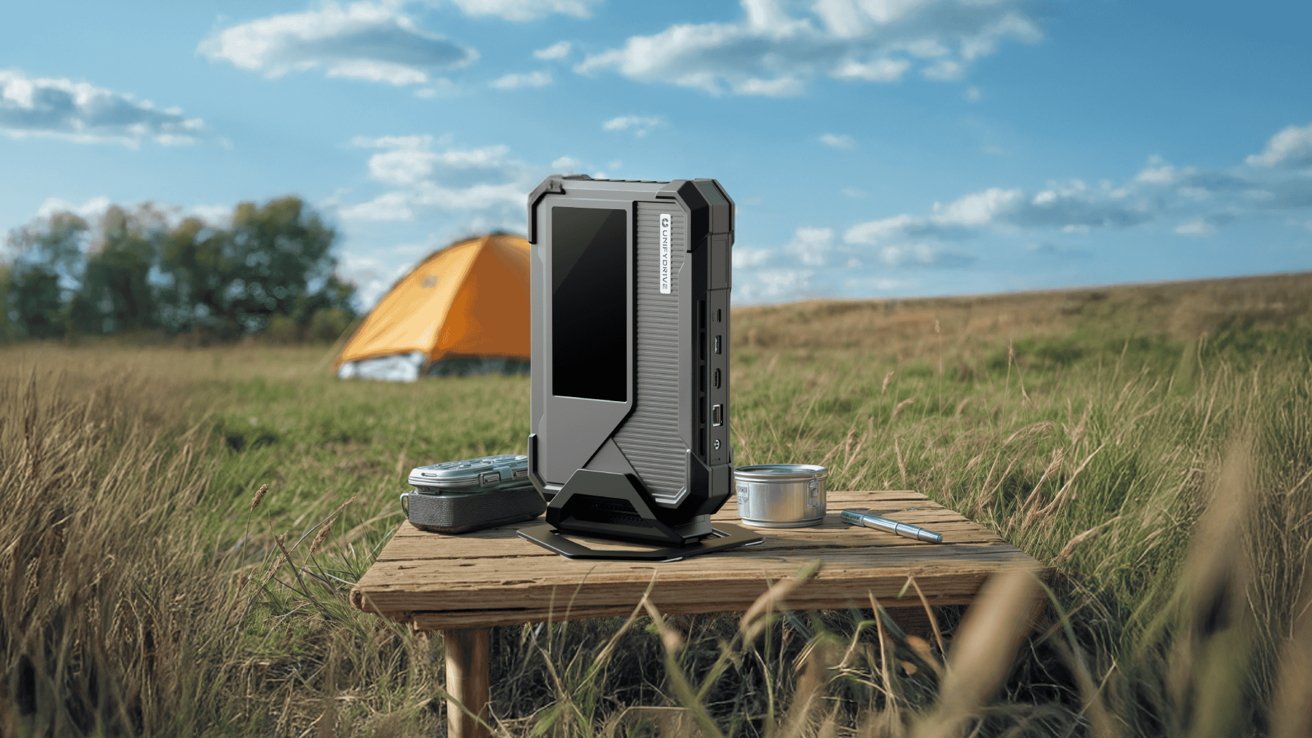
<point>468,674</point>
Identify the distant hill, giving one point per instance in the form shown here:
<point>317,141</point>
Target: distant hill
<point>1255,311</point>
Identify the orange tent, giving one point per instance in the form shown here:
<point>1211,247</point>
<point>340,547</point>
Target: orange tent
<point>465,306</point>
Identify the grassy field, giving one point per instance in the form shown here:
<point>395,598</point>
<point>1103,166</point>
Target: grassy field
<point>181,527</point>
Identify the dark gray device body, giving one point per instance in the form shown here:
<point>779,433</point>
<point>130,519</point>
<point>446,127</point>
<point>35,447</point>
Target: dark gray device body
<point>630,347</point>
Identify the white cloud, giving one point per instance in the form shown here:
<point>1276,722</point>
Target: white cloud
<point>375,42</point>
<point>519,81</point>
<point>1198,228</point>
<point>93,207</point>
<point>479,196</point>
<point>980,208</point>
<point>558,50</point>
<point>772,285</point>
<point>566,164</point>
<point>1056,221</point>
<point>78,111</point>
<point>402,166</point>
<point>837,140</point>
<point>876,231</point>
<point>212,213</point>
<point>371,276</point>
<point>923,255</point>
<point>423,175</point>
<point>745,257</point>
<point>638,125</point>
<point>394,142</point>
<point>1201,201</point>
<point>524,10</point>
<point>776,48</point>
<point>409,160</point>
<point>875,70</point>
<point>972,94</point>
<point>1067,207</point>
<point>389,206</point>
<point>945,70</point>
<point>782,86</point>
<point>1291,147</point>
<point>812,246</point>
<point>1158,171</point>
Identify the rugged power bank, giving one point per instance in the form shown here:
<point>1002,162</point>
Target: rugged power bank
<point>471,494</point>
<point>463,512</point>
<point>629,433</point>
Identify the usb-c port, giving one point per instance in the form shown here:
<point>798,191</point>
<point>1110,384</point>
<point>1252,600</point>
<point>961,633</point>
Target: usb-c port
<point>715,380</point>
<point>717,415</point>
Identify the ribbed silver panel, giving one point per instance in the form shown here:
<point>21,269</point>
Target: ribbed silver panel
<point>650,437</point>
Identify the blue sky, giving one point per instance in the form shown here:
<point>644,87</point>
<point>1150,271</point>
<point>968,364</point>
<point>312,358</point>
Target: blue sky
<point>875,148</point>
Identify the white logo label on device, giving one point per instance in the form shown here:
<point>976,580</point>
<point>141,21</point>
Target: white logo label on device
<point>665,253</point>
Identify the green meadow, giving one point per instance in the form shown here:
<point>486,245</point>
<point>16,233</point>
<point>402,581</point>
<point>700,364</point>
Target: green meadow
<point>182,525</point>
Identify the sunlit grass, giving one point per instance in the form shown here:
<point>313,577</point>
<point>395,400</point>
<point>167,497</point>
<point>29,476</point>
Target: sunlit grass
<point>1153,446</point>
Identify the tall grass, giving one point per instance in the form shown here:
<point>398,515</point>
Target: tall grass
<point>181,527</point>
<point>115,616</point>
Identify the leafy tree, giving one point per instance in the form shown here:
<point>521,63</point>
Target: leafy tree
<point>47,265</point>
<point>334,295</point>
<point>142,272</point>
<point>8,331</point>
<point>192,265</point>
<point>329,324</point>
<point>116,293</point>
<point>273,259</point>
<point>280,252</point>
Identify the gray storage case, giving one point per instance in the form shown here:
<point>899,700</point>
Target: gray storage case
<point>629,432</point>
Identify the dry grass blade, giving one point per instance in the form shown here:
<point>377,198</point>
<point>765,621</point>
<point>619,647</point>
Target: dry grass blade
<point>673,642</point>
<point>898,408</point>
<point>809,690</point>
<point>983,651</point>
<point>1069,549</point>
<point>326,526</point>
<point>772,600</point>
<point>933,623</point>
<point>892,714</point>
<point>901,461</point>
<point>1214,647</point>
<point>259,496</point>
<point>1292,711</point>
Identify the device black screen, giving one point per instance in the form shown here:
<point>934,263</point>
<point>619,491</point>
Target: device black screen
<point>589,292</point>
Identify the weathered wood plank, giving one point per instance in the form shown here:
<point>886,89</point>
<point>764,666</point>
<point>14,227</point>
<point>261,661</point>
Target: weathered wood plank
<point>428,621</point>
<point>495,578</point>
<point>505,544</point>
<point>836,586</point>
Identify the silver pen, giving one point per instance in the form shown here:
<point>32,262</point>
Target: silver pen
<point>870,520</point>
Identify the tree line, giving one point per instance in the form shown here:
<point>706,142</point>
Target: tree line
<point>269,269</point>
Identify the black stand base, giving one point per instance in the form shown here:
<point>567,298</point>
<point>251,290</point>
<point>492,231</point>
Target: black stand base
<point>721,538</point>
<point>611,505</point>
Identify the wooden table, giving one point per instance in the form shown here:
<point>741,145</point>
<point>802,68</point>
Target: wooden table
<point>464,585</point>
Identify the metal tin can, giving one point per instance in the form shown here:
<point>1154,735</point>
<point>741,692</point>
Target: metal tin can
<point>781,495</point>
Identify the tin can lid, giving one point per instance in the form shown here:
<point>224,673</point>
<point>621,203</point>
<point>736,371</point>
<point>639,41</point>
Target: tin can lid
<point>779,472</point>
